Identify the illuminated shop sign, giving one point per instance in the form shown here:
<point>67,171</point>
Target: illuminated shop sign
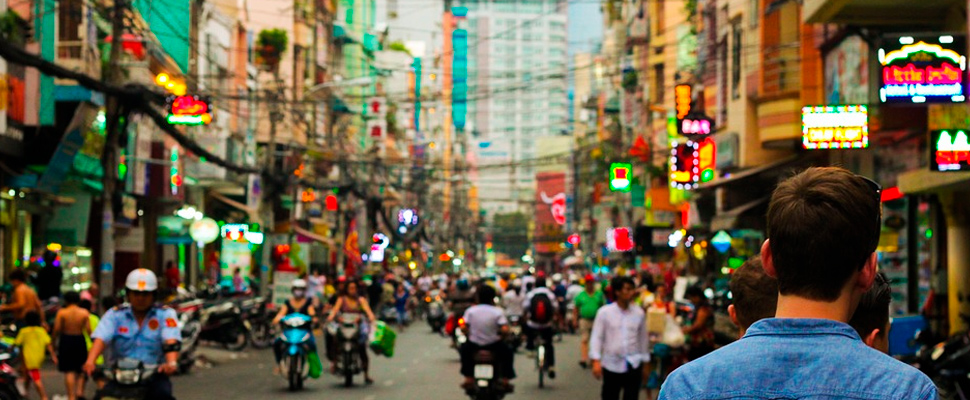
<point>835,127</point>
<point>188,110</point>
<point>923,69</point>
<point>620,177</point>
<point>689,121</point>
<point>949,150</point>
<point>619,239</point>
<point>692,163</point>
<point>682,101</point>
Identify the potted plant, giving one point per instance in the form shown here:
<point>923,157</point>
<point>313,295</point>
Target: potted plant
<point>270,45</point>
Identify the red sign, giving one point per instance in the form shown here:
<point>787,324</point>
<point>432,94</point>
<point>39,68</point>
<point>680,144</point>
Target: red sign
<point>189,105</point>
<point>550,211</point>
<point>619,239</point>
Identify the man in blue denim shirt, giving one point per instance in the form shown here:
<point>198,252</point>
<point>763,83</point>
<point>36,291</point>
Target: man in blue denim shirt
<point>823,228</point>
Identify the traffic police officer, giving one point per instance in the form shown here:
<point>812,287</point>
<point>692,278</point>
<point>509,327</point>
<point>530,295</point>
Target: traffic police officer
<point>141,330</point>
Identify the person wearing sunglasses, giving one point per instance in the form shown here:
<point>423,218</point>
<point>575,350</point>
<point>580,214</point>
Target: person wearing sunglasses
<point>823,227</point>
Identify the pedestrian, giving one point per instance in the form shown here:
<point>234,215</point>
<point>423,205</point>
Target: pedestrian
<point>71,325</point>
<point>93,321</point>
<point>316,283</point>
<point>401,297</point>
<point>49,277</point>
<point>701,329</point>
<point>91,294</point>
<point>33,341</point>
<point>588,303</point>
<point>823,228</point>
<point>485,325</point>
<point>173,276</point>
<point>754,295</point>
<point>871,317</point>
<point>24,300</point>
<point>238,283</point>
<point>619,345</point>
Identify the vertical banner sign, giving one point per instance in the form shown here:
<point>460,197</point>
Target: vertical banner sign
<point>923,69</point>
<point>459,94</point>
<point>550,211</point>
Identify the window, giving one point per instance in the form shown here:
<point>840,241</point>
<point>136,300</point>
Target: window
<point>753,13</point>
<point>557,26</point>
<point>736,60</point>
<point>658,84</point>
<point>659,16</point>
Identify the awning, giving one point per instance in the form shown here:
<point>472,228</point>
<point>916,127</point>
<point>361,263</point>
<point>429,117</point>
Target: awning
<point>777,166</point>
<point>925,181</point>
<point>252,213</point>
<point>313,236</point>
<point>729,219</point>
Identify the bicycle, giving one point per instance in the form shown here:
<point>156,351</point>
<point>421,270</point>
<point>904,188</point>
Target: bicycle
<point>541,359</point>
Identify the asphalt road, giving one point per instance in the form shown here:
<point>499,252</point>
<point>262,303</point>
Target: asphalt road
<point>423,367</point>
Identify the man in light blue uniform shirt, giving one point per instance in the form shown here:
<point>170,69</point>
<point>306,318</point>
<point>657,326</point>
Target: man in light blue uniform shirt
<point>142,331</point>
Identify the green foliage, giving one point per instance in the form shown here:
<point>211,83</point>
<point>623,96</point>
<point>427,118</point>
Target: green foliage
<point>510,234</point>
<point>399,46</point>
<point>270,45</point>
<point>11,25</point>
<point>630,80</point>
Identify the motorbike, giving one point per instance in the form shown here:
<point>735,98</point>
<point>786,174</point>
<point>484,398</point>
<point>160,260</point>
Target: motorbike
<point>488,386</point>
<point>948,364</point>
<point>224,323</point>
<point>347,331</point>
<point>514,338</point>
<point>191,328</point>
<point>8,373</point>
<point>296,338</point>
<point>259,313</point>
<point>128,378</point>
<point>435,312</point>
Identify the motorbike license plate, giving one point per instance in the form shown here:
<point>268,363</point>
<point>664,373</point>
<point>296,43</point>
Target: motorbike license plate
<point>348,346</point>
<point>484,371</point>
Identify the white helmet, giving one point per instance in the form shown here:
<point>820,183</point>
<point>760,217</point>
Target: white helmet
<point>298,284</point>
<point>142,280</point>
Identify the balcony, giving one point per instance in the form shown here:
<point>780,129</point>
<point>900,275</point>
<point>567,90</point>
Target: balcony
<point>881,12</point>
<point>79,56</point>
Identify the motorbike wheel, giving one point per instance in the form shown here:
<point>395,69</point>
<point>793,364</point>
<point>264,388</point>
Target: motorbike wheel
<point>295,374</point>
<point>9,394</point>
<point>262,335</point>
<point>348,370</point>
<point>541,365</point>
<point>240,342</point>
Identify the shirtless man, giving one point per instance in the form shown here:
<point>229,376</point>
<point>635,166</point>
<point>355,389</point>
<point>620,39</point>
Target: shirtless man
<point>70,326</point>
<point>23,300</point>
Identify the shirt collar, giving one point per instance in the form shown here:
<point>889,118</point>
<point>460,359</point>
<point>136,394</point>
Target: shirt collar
<point>801,326</point>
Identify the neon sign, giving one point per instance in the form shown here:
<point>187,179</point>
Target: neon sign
<point>835,127</point>
<point>929,69</point>
<point>620,177</point>
<point>692,163</point>
<point>682,100</point>
<point>696,125</point>
<point>950,150</point>
<point>188,110</point>
<point>619,239</point>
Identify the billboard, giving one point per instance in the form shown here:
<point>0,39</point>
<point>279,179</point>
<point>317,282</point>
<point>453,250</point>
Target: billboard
<point>923,69</point>
<point>550,212</point>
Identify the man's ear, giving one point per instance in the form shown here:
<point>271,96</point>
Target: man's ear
<point>734,315</point>
<point>868,273</point>
<point>870,339</point>
<point>767,260</point>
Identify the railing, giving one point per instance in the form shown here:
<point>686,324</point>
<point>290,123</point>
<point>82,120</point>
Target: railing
<point>781,70</point>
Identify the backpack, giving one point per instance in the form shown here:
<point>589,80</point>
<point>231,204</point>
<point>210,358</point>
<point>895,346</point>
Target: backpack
<point>540,308</point>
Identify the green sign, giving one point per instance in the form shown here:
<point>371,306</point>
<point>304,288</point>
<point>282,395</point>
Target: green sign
<point>620,180</point>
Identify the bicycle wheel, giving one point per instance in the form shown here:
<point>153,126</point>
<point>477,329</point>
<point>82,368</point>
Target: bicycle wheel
<point>541,363</point>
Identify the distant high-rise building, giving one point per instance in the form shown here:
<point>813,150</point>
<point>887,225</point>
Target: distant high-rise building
<point>518,79</point>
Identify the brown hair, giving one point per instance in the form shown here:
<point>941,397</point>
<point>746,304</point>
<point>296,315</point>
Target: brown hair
<point>873,310</point>
<point>753,293</point>
<point>823,225</point>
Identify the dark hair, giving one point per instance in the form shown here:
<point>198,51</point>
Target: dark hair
<point>72,297</point>
<point>32,318</point>
<point>619,282</point>
<point>753,292</point>
<point>85,304</point>
<point>695,291</point>
<point>540,282</point>
<point>485,294</point>
<point>108,302</point>
<point>873,310</point>
<point>823,225</point>
<point>17,275</point>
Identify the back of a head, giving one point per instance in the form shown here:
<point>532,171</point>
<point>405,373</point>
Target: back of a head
<point>72,297</point>
<point>873,310</point>
<point>32,318</point>
<point>823,225</point>
<point>17,275</point>
<point>485,294</point>
<point>753,293</point>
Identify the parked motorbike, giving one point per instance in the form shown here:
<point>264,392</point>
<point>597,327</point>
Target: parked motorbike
<point>488,385</point>
<point>259,312</point>
<point>128,378</point>
<point>191,327</point>
<point>297,337</point>
<point>435,311</point>
<point>346,331</point>
<point>223,323</point>
<point>8,373</point>
<point>948,364</point>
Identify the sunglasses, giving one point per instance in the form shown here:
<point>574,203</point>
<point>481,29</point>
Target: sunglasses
<point>877,189</point>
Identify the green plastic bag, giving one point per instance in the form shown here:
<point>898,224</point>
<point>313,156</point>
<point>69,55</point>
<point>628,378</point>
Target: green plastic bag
<point>382,339</point>
<point>316,368</point>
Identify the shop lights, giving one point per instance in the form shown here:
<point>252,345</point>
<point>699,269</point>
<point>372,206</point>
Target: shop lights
<point>189,110</point>
<point>692,163</point>
<point>54,247</point>
<point>950,150</point>
<point>83,253</point>
<point>835,127</point>
<point>620,177</point>
<point>929,69</point>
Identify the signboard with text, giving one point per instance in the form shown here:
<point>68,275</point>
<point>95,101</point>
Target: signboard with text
<point>949,150</point>
<point>835,127</point>
<point>692,162</point>
<point>923,69</point>
<point>189,110</point>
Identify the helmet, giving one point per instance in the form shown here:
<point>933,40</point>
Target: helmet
<point>462,284</point>
<point>141,280</point>
<point>541,275</point>
<point>517,282</point>
<point>557,277</point>
<point>590,278</point>
<point>298,284</point>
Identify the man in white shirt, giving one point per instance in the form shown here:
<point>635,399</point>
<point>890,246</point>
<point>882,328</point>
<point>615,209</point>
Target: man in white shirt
<point>619,345</point>
<point>512,299</point>
<point>541,324</point>
<point>485,325</point>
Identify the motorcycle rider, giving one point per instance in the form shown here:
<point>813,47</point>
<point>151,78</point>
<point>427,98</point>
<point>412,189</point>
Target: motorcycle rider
<point>534,326</point>
<point>461,297</point>
<point>485,325</point>
<point>298,303</point>
<point>351,301</point>
<point>140,330</point>
<point>513,298</point>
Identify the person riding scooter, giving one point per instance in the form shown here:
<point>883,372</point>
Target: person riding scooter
<point>298,303</point>
<point>485,325</point>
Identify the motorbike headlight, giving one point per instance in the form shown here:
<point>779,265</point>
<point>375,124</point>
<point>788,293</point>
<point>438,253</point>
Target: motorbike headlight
<point>937,351</point>
<point>127,377</point>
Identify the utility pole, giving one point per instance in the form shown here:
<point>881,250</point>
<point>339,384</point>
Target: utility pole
<point>268,201</point>
<point>109,156</point>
